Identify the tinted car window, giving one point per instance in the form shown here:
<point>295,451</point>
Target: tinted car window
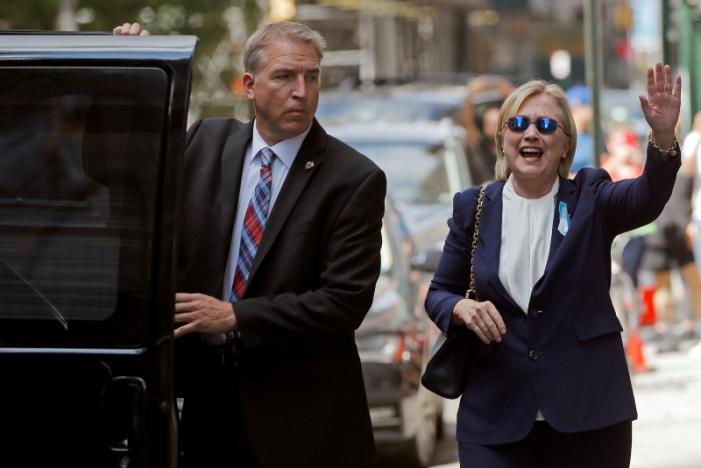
<point>80,150</point>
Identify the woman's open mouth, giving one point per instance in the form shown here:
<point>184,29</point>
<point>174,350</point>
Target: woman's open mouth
<point>531,153</point>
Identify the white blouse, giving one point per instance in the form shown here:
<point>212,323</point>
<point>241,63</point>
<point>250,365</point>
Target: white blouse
<point>526,231</point>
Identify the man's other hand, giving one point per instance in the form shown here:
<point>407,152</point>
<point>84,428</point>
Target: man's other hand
<point>130,29</point>
<point>202,313</point>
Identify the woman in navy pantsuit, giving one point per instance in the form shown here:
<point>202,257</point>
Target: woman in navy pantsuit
<point>548,383</point>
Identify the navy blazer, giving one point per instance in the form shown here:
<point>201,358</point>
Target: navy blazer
<point>565,356</point>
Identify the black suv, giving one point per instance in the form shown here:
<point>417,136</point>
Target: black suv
<point>92,130</point>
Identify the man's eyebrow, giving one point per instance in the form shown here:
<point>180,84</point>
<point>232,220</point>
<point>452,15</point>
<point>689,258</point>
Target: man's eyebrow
<point>297,69</point>
<point>287,68</point>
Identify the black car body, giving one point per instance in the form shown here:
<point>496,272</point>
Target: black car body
<point>92,130</point>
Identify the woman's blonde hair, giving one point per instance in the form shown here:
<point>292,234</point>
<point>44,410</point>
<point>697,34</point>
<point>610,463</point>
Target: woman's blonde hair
<point>510,108</point>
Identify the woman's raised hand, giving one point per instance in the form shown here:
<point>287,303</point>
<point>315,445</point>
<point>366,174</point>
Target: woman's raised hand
<point>130,29</point>
<point>662,104</point>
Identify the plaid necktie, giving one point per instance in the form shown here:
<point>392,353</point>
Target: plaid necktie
<point>254,223</point>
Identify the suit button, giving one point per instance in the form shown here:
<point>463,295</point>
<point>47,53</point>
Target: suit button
<point>533,355</point>
<point>534,313</point>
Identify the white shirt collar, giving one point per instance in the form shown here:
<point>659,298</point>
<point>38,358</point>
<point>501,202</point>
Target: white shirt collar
<point>510,193</point>
<point>285,150</point>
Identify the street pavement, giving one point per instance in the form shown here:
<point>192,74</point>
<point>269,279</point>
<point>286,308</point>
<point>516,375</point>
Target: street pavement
<point>667,433</point>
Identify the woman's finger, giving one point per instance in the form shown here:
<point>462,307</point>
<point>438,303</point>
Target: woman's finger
<point>668,83</point>
<point>489,328</point>
<point>650,81</point>
<point>496,317</point>
<point>659,77</point>
<point>677,90</point>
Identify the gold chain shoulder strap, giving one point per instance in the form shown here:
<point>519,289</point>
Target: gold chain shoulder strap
<point>471,292</point>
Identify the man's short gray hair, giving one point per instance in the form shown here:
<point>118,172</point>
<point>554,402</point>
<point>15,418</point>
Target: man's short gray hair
<point>254,58</point>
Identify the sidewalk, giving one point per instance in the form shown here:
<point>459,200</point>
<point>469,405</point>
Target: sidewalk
<point>667,433</point>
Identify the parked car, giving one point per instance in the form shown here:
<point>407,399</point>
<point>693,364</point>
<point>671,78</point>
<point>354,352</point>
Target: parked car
<point>425,165</point>
<point>91,135</point>
<point>409,103</point>
<point>393,345</point>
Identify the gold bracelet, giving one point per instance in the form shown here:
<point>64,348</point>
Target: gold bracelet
<point>668,153</point>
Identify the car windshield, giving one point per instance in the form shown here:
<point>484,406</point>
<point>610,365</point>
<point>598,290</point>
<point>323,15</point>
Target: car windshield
<point>416,172</point>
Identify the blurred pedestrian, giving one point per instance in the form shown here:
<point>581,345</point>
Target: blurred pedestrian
<point>691,164</point>
<point>279,251</point>
<point>624,160</point>
<point>579,98</point>
<point>624,157</point>
<point>667,249</point>
<point>479,116</point>
<point>548,382</point>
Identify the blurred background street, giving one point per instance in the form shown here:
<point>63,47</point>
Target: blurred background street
<point>416,85</point>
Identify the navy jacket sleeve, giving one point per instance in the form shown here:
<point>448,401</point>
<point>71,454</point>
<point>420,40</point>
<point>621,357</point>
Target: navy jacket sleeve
<point>452,277</point>
<point>631,203</point>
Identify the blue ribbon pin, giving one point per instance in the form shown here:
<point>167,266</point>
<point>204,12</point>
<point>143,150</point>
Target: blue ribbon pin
<point>564,224</point>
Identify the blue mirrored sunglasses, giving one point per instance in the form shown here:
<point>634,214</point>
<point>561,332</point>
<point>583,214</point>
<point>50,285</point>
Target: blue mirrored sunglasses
<point>545,125</point>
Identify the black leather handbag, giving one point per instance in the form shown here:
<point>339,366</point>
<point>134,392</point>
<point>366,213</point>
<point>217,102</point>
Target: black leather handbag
<point>448,364</point>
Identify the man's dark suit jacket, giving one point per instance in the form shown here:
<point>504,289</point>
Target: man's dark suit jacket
<point>311,285</point>
<point>565,357</point>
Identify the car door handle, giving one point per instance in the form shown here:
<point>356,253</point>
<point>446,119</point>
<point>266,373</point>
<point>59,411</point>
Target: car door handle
<point>132,451</point>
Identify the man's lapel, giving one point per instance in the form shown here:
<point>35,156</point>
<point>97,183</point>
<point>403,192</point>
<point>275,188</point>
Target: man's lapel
<point>231,169</point>
<point>308,159</point>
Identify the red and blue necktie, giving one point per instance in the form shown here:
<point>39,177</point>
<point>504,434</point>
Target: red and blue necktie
<point>254,224</point>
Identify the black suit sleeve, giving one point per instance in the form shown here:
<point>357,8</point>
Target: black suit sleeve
<point>351,267</point>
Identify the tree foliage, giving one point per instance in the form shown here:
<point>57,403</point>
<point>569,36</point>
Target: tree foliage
<point>220,25</point>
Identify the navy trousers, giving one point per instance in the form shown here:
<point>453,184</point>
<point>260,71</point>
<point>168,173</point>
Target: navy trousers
<point>544,447</point>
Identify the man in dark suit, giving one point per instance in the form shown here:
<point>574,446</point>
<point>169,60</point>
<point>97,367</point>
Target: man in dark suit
<point>279,240</point>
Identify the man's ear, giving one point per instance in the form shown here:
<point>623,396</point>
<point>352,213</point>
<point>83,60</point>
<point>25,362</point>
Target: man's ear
<point>248,81</point>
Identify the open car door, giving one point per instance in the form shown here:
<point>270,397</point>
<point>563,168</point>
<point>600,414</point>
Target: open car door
<point>92,130</point>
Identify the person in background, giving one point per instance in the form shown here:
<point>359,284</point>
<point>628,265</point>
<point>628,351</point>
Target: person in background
<point>668,248</point>
<point>624,160</point>
<point>479,117</point>
<point>579,98</point>
<point>548,381</point>
<point>624,157</point>
<point>279,251</point>
<point>691,166</point>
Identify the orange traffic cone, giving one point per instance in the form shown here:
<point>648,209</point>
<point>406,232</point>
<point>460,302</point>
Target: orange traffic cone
<point>635,352</point>
<point>648,317</point>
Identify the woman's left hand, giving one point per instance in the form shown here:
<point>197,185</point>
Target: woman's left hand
<point>662,104</point>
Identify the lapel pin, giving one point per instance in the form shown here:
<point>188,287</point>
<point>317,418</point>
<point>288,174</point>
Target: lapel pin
<point>308,165</point>
<point>564,224</point>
